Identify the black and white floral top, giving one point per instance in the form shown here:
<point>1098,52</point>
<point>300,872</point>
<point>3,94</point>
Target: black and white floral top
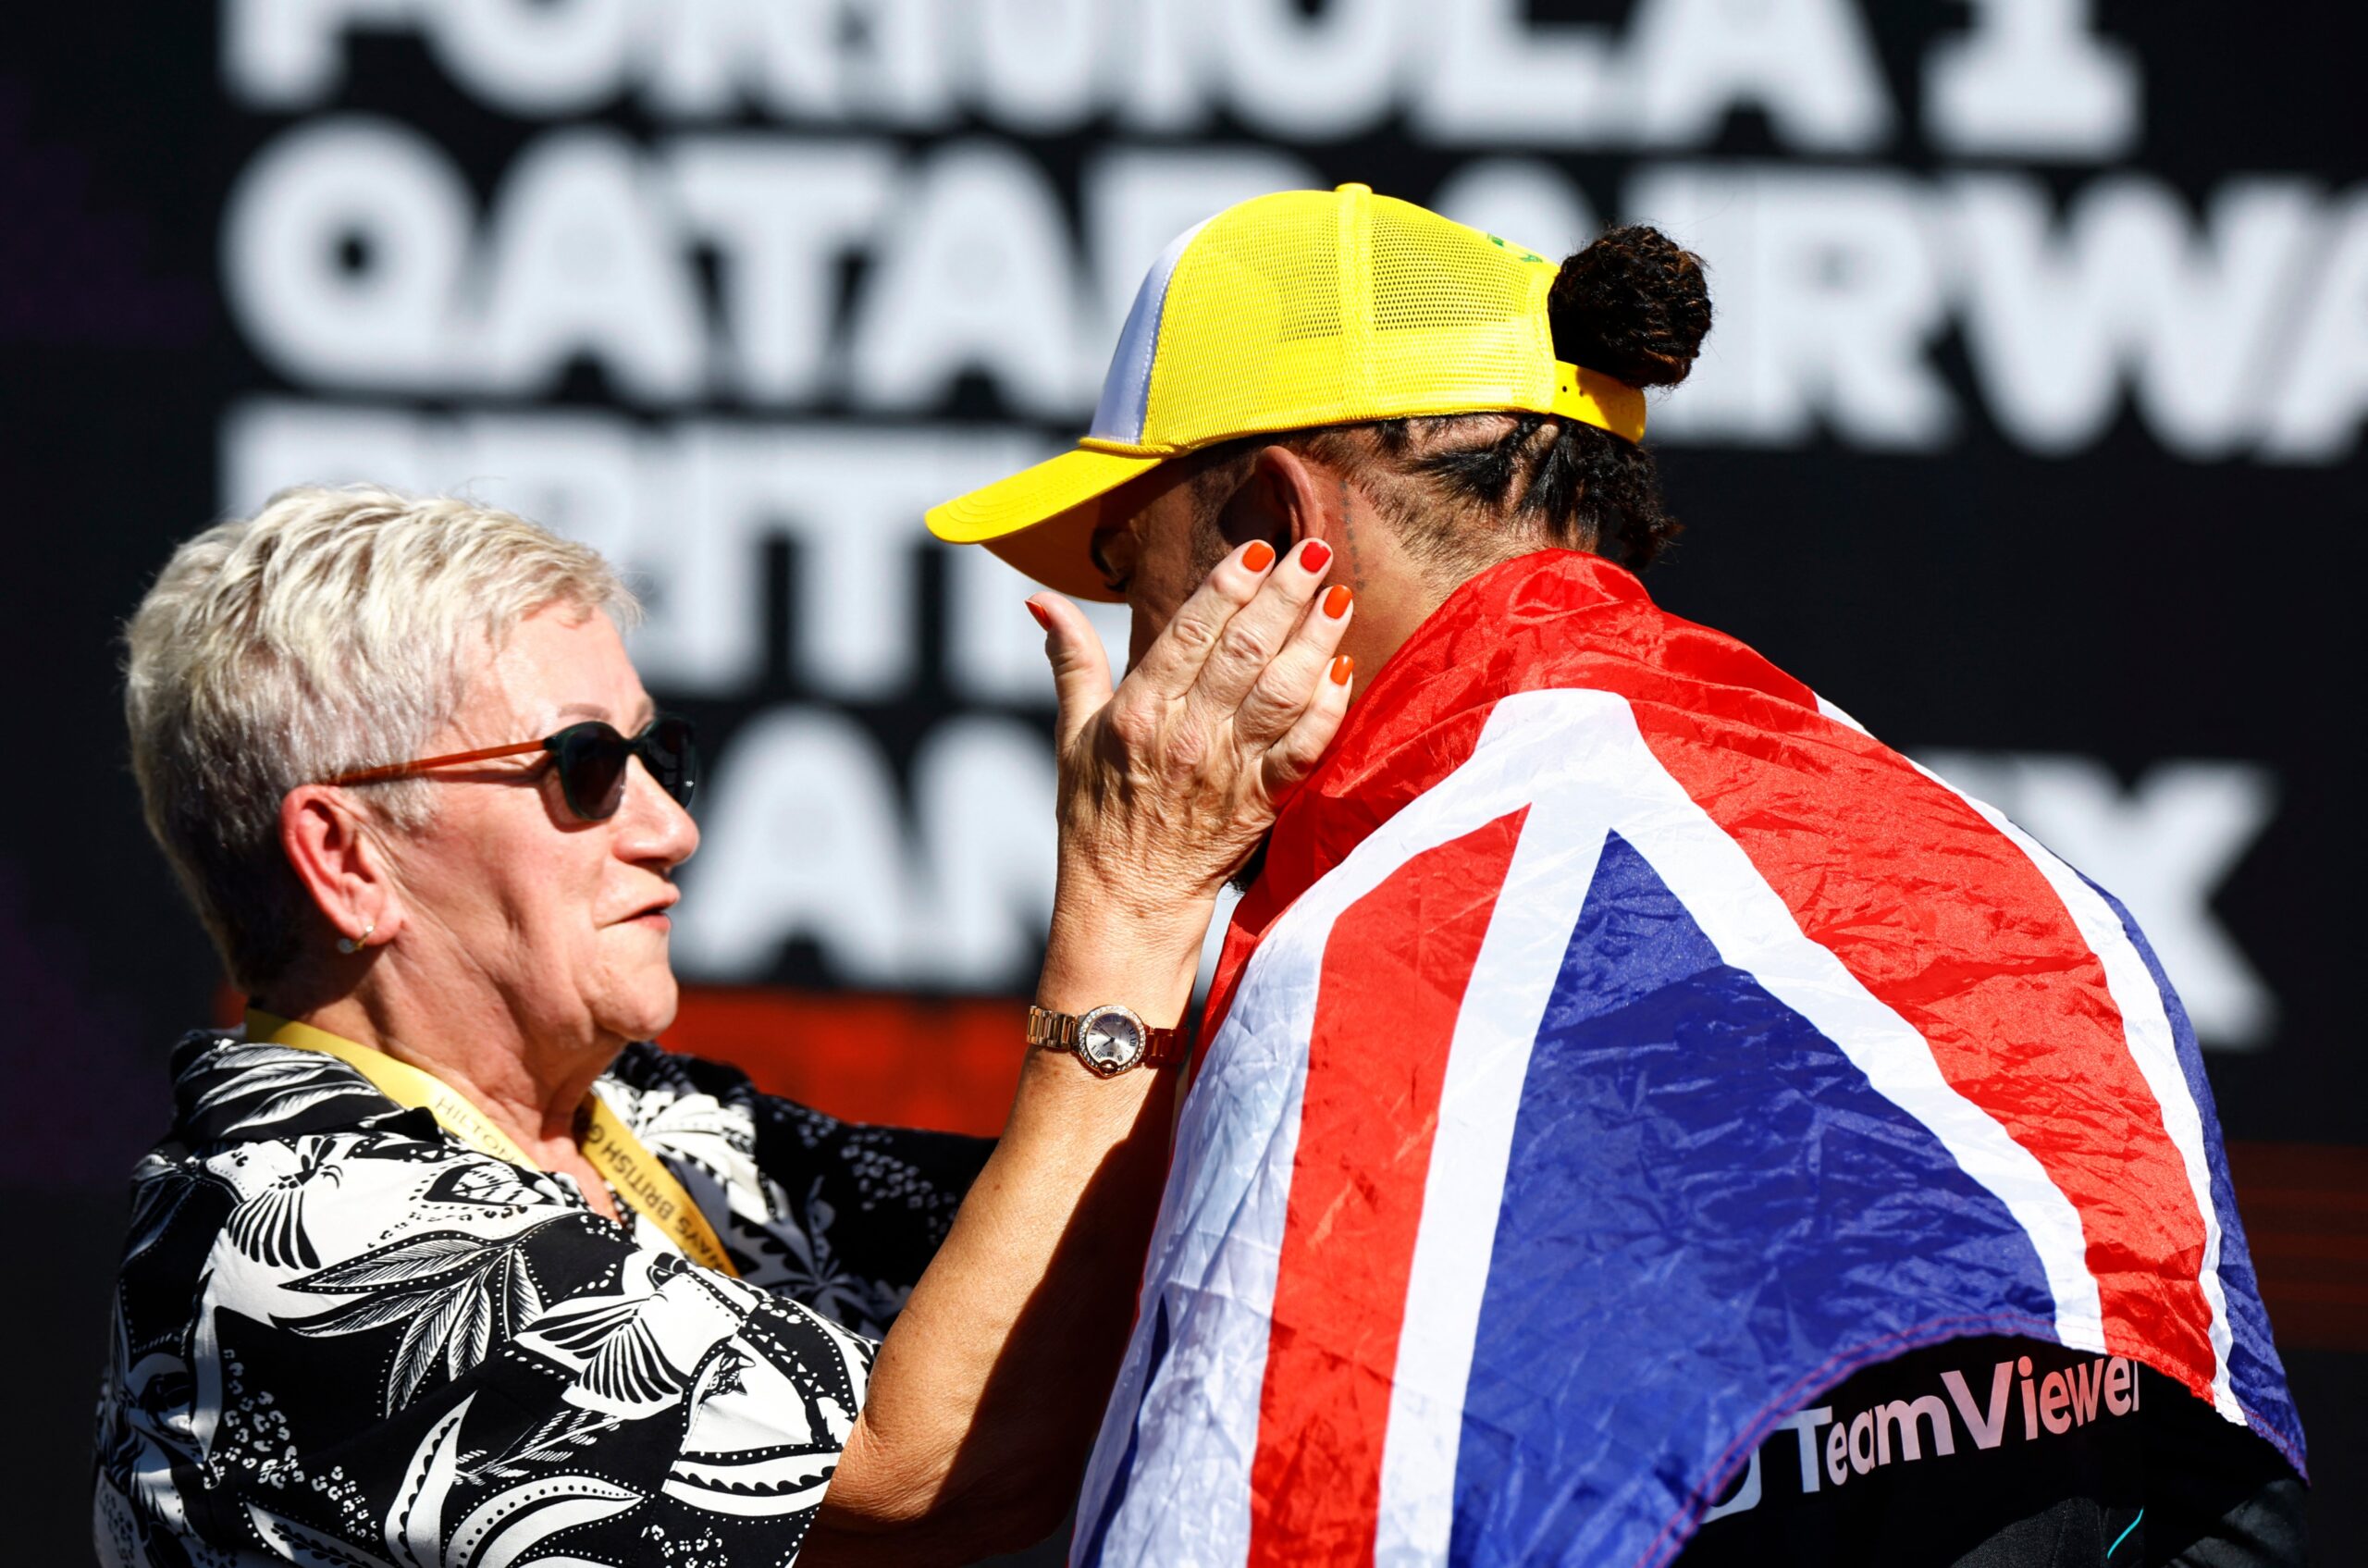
<point>342,1337</point>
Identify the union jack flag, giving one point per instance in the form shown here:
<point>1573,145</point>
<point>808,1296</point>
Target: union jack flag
<point>1619,1048</point>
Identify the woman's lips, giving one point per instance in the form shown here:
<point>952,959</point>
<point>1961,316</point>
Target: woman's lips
<point>655,917</point>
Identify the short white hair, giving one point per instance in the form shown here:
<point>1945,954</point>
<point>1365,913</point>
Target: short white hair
<point>336,630</point>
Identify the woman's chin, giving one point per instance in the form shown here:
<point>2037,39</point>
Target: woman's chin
<point>643,1008</point>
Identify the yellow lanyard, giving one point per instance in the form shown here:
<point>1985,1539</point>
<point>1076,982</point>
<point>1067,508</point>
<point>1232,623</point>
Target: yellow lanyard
<point>638,1176</point>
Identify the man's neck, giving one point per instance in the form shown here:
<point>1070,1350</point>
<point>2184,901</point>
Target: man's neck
<point>1397,588</point>
<point>1395,592</point>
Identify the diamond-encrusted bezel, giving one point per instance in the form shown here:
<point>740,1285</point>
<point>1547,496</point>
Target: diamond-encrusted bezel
<point>1086,1028</point>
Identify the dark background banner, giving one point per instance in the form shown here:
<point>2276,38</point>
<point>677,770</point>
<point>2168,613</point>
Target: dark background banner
<point>2029,433</point>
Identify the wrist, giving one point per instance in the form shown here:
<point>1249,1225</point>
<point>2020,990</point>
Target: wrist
<point>1137,912</point>
<point>1144,963</point>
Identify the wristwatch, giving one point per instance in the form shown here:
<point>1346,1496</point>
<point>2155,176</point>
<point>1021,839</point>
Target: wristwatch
<point>1109,1040</point>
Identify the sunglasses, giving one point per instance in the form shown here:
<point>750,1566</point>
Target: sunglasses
<point>590,759</point>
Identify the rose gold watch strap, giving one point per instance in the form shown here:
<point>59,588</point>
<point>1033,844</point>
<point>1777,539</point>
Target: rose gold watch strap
<point>1057,1032</point>
<point>1052,1030</point>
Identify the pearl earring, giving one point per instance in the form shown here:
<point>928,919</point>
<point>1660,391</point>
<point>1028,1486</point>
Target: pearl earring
<point>356,943</point>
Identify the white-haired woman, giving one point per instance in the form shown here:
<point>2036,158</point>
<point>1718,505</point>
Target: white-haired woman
<point>443,1262</point>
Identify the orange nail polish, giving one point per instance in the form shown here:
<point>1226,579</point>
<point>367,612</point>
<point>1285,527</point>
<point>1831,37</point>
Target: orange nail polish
<point>1342,667</point>
<point>1044,616</point>
<point>1259,556</point>
<point>1316,555</point>
<point>1336,600</point>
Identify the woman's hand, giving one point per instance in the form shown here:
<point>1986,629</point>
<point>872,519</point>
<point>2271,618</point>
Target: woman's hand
<point>1169,783</point>
<point>986,1394</point>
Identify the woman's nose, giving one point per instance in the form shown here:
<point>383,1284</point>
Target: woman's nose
<point>652,824</point>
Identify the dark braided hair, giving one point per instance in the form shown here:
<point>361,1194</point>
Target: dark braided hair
<point>1633,305</point>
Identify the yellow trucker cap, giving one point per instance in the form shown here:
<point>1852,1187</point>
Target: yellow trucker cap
<point>1286,312</point>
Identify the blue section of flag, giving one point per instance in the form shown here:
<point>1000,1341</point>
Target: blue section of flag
<point>1708,1216</point>
<point>2255,1375</point>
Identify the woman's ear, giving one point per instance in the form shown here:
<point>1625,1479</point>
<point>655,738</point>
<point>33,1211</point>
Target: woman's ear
<point>340,863</point>
<point>1281,502</point>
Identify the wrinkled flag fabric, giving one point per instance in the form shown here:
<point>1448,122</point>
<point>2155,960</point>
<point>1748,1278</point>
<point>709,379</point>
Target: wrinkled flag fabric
<point>1619,1047</point>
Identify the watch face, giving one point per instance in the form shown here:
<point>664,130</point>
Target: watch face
<point>1110,1039</point>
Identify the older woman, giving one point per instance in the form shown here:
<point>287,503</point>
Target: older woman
<point>442,1262</point>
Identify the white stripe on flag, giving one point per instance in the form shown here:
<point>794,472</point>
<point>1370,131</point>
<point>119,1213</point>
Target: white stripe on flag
<point>1529,932</point>
<point>1839,717</point>
<point>2146,1025</point>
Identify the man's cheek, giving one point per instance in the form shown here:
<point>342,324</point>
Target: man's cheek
<point>1143,631</point>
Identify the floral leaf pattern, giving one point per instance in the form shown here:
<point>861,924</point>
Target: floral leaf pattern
<point>548,1443</point>
<point>413,1260</point>
<point>256,1086</point>
<point>386,1275</point>
<point>452,1292</point>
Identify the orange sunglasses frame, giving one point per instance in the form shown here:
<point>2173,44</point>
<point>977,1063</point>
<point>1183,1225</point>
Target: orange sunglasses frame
<point>405,770</point>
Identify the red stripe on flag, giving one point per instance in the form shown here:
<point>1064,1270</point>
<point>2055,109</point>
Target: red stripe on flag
<point>1394,969</point>
<point>1942,918</point>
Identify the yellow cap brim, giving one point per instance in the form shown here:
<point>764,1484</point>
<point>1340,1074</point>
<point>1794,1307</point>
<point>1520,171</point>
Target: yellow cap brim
<point>1041,519</point>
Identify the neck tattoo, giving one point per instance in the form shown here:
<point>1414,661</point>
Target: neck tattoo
<point>1348,537</point>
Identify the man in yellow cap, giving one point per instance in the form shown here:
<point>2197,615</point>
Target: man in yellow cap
<point>1222,346</point>
<point>1635,1106</point>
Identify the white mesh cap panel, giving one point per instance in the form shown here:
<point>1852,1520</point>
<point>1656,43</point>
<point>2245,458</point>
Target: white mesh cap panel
<point>1125,387</point>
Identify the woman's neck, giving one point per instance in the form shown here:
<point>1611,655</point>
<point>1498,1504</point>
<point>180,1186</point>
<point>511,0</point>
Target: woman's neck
<point>532,1090</point>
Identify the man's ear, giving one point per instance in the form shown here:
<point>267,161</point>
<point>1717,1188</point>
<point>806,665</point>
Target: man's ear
<point>340,863</point>
<point>1281,502</point>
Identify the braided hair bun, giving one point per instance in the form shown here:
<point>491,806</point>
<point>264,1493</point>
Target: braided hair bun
<point>1633,305</point>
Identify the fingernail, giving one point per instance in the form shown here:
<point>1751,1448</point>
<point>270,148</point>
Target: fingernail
<point>1336,600</point>
<point>1259,556</point>
<point>1342,667</point>
<point>1044,616</point>
<point>1316,555</point>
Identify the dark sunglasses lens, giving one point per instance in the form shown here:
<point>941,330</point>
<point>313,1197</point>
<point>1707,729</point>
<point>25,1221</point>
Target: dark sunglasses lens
<point>671,749</point>
<point>592,770</point>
